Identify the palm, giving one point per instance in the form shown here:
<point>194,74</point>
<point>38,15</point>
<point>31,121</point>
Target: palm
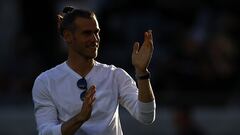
<point>141,57</point>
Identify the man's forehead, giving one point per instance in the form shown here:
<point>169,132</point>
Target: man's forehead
<point>87,22</point>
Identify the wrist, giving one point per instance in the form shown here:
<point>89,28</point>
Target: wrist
<point>143,75</point>
<point>141,72</point>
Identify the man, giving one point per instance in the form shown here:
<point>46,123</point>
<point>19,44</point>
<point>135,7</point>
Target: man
<point>81,96</point>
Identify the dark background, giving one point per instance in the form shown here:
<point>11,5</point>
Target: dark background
<point>195,65</point>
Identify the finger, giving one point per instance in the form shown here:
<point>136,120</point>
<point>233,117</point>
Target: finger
<point>145,36</point>
<point>150,39</point>
<point>93,99</point>
<point>90,95</point>
<point>135,48</point>
<point>91,91</point>
<point>150,34</point>
<point>88,101</point>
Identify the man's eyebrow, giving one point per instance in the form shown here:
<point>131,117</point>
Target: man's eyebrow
<point>89,31</point>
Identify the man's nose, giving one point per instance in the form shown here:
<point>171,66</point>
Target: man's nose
<point>95,38</point>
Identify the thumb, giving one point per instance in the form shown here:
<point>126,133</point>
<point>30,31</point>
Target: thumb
<point>135,47</point>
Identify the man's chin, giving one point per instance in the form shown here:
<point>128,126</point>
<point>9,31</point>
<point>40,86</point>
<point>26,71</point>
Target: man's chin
<point>91,56</point>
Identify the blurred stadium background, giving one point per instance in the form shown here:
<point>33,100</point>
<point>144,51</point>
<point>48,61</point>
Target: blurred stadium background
<point>195,66</point>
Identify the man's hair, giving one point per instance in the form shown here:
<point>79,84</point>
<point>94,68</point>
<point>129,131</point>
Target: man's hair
<point>69,15</point>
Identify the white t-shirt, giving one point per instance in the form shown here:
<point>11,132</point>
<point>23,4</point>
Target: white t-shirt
<point>56,99</point>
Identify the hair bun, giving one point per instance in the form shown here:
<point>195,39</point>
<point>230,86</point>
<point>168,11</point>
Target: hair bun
<point>68,9</point>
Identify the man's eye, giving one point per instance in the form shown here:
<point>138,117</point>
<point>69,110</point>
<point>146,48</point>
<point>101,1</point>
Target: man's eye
<point>87,33</point>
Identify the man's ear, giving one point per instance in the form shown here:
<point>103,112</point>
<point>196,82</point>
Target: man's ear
<point>68,36</point>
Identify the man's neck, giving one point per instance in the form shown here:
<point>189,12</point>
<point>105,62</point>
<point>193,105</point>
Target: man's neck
<point>81,65</point>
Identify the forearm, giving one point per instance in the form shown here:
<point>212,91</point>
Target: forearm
<point>146,106</point>
<point>71,126</point>
<point>145,89</point>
